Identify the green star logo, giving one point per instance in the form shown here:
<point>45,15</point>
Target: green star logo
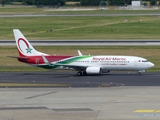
<point>28,50</point>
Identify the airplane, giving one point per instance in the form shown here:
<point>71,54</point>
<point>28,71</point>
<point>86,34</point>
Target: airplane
<point>83,64</point>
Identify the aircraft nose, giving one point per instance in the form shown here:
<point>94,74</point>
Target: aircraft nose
<point>151,64</point>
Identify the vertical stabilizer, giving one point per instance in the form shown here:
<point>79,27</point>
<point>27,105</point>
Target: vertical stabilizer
<point>23,45</point>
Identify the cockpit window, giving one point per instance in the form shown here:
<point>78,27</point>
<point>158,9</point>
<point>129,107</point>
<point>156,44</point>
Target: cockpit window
<point>144,60</point>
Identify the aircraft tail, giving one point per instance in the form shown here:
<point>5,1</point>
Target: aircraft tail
<point>23,45</point>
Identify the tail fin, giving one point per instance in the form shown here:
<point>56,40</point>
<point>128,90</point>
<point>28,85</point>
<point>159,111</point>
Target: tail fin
<point>23,45</point>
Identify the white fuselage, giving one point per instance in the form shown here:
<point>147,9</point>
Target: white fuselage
<point>114,62</point>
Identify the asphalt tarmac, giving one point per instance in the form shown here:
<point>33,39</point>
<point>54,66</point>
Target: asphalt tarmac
<point>109,103</point>
<point>73,15</point>
<point>128,42</point>
<point>105,80</point>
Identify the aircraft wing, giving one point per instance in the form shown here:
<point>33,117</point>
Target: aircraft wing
<point>74,67</point>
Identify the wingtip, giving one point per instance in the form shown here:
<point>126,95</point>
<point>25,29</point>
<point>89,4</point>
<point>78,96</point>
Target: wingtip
<point>15,29</point>
<point>79,52</point>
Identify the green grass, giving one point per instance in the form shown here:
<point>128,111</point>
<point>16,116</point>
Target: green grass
<point>9,64</point>
<point>82,27</point>
<point>21,10</point>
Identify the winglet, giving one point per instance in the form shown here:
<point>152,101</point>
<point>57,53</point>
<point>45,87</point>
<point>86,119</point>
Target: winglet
<point>45,60</point>
<point>79,52</point>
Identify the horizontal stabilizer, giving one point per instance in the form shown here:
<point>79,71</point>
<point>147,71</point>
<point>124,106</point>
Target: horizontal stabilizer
<point>20,58</point>
<point>12,56</point>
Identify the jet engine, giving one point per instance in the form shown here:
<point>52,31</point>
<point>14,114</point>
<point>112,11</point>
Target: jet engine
<point>93,70</point>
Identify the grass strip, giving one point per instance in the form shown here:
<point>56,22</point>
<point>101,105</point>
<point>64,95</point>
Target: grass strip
<point>74,28</point>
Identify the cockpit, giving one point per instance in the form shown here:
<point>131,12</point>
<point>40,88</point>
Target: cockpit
<point>144,60</point>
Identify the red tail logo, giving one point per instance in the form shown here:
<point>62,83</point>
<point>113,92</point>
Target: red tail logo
<point>28,49</point>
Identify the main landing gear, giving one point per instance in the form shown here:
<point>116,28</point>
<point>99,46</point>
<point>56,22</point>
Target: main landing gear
<point>80,73</point>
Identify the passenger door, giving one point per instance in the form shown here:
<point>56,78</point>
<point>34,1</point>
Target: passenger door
<point>37,61</point>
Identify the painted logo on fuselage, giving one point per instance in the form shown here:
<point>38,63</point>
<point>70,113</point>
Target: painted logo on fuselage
<point>109,58</point>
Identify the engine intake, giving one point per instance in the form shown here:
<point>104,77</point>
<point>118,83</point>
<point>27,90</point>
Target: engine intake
<point>93,70</point>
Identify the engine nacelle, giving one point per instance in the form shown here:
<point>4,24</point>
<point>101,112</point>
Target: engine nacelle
<point>105,71</point>
<point>93,70</point>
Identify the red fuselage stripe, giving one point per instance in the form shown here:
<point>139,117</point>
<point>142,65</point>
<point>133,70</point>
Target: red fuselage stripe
<point>39,59</point>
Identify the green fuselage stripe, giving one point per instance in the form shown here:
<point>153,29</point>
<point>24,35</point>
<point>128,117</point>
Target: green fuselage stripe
<point>64,62</point>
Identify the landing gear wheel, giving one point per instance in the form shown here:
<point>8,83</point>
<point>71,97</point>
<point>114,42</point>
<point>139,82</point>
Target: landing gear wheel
<point>79,73</point>
<point>139,74</point>
<point>84,73</point>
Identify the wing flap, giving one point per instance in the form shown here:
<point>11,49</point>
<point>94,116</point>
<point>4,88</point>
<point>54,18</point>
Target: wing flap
<point>78,68</point>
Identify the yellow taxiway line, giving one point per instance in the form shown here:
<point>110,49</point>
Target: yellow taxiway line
<point>147,111</point>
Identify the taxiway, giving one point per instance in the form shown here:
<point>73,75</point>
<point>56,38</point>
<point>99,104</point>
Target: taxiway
<point>110,79</point>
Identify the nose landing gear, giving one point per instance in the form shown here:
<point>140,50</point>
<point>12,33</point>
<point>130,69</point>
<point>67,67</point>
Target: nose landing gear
<point>139,74</point>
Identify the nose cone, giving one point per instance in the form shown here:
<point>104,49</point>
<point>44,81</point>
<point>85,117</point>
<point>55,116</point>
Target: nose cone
<point>150,64</point>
